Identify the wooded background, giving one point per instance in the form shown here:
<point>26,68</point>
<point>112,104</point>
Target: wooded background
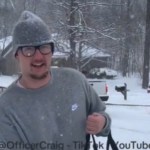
<point>120,28</point>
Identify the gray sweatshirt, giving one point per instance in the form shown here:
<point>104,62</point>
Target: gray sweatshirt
<point>52,117</point>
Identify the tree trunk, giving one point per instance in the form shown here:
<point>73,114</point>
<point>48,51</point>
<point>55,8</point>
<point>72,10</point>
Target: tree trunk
<point>72,34</point>
<point>125,60</point>
<point>146,49</point>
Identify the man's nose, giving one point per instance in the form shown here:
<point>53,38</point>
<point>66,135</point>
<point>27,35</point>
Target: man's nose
<point>38,54</point>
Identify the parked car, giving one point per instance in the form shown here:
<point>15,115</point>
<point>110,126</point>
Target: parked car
<point>101,73</point>
<point>100,87</point>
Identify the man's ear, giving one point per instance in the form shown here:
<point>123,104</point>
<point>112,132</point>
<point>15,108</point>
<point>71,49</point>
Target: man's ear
<point>16,56</point>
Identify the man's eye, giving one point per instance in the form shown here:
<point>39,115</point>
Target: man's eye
<point>45,46</point>
<point>29,48</point>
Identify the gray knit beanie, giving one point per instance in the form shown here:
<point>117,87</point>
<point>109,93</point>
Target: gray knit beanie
<point>30,30</point>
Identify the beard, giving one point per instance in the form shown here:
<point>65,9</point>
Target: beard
<point>39,77</point>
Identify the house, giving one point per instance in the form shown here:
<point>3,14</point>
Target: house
<point>94,58</point>
<point>8,64</point>
<point>91,57</point>
<point>88,57</point>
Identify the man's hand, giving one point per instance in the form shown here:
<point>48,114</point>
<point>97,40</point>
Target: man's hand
<point>95,123</point>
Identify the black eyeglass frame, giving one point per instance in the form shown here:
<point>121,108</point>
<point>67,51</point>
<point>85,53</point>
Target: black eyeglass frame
<point>35,48</point>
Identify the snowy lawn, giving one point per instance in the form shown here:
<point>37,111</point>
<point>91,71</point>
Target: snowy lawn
<point>5,81</point>
<point>130,124</point>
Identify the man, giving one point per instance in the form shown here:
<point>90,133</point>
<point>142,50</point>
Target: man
<point>47,109</point>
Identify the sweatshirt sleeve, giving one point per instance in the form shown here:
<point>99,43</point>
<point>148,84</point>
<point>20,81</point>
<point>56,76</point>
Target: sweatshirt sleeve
<point>95,104</point>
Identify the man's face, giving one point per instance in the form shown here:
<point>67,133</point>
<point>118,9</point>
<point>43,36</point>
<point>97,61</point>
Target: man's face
<point>36,66</point>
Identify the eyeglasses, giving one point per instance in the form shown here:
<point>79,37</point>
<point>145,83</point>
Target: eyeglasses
<point>29,51</point>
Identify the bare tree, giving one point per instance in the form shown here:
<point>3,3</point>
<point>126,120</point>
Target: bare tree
<point>83,28</point>
<point>112,26</point>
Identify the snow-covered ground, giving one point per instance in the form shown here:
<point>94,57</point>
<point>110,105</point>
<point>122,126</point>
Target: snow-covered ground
<point>130,124</point>
<point>5,81</point>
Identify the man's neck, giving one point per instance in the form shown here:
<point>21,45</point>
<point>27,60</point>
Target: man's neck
<point>30,83</point>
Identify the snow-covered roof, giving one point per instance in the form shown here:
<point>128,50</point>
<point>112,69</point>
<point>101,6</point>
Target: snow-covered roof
<point>87,51</point>
<point>93,52</point>
<point>60,55</point>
